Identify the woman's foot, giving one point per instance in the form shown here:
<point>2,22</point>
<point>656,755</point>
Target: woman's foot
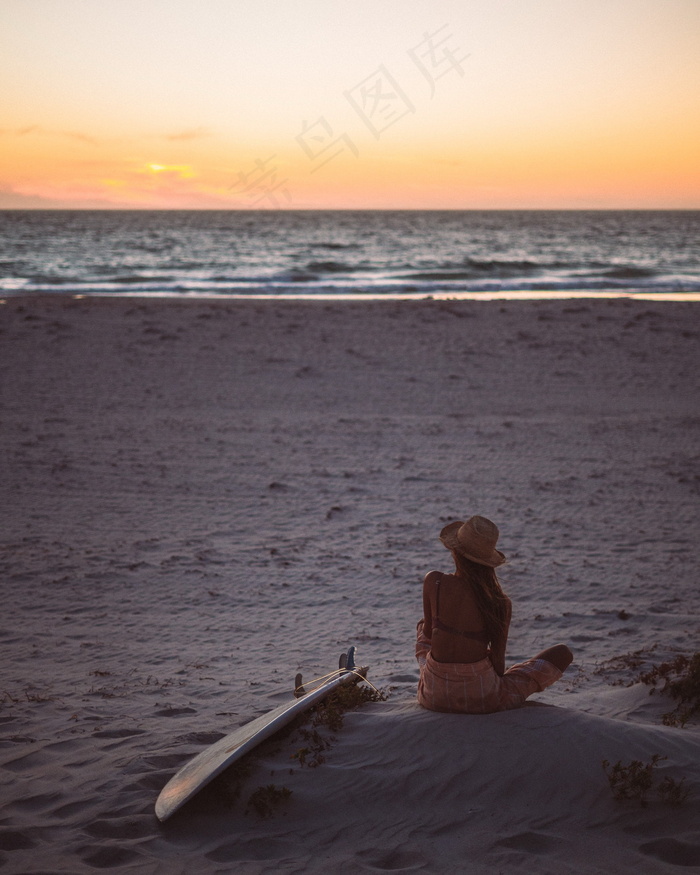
<point>560,656</point>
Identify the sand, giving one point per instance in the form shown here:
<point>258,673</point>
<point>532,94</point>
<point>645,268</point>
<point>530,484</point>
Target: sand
<point>200,498</point>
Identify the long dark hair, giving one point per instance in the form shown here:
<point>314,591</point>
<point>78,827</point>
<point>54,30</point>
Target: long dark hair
<point>490,598</point>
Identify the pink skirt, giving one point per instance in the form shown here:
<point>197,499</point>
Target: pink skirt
<point>474,687</point>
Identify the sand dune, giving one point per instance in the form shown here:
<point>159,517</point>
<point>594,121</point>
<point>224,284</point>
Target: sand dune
<point>201,498</point>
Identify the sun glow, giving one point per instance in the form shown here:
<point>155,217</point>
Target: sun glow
<point>181,171</point>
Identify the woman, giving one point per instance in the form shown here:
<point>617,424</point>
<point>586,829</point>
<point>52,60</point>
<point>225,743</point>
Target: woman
<point>461,640</point>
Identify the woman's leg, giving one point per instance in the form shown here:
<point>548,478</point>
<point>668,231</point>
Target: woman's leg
<point>560,656</point>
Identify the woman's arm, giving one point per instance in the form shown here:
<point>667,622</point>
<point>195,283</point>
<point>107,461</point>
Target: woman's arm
<point>424,629</point>
<point>428,591</point>
<point>497,653</point>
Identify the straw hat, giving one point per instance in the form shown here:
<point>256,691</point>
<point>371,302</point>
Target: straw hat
<point>476,540</point>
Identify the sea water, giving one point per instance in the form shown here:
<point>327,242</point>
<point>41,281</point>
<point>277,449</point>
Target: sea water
<point>335,253</point>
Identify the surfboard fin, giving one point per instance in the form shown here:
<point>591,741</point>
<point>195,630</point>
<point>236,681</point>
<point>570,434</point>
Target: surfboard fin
<point>350,659</point>
<point>299,690</point>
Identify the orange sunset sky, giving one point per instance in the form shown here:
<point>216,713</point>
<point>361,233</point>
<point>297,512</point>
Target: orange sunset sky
<point>360,104</point>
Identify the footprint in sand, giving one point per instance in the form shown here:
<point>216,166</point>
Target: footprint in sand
<point>14,840</point>
<point>673,851</point>
<point>174,712</point>
<point>109,858</point>
<point>530,842</point>
<point>391,861</point>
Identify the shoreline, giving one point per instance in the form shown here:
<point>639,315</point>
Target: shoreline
<point>515,295</point>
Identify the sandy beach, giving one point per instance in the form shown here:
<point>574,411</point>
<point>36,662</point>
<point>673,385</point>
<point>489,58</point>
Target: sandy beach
<point>201,498</point>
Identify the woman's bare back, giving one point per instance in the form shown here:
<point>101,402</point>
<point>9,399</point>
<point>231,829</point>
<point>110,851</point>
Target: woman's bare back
<point>450,599</point>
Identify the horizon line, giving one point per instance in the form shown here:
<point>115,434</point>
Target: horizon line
<point>349,209</point>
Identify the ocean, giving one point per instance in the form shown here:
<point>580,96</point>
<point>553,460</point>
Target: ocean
<point>335,253</point>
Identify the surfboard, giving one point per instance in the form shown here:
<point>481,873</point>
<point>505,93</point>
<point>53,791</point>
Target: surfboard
<point>210,762</point>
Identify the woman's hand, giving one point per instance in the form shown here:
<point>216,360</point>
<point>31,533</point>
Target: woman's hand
<point>498,662</point>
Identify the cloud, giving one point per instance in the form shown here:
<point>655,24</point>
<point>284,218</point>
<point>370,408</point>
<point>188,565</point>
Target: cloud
<point>78,135</point>
<point>190,134</point>
<point>11,199</point>
<point>39,130</point>
<point>14,200</point>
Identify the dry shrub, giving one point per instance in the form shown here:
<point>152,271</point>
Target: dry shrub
<point>681,681</point>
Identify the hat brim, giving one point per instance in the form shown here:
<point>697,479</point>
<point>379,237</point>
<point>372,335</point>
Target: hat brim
<point>448,536</point>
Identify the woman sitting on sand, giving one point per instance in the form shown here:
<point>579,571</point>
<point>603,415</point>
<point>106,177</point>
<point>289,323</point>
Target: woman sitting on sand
<point>461,640</point>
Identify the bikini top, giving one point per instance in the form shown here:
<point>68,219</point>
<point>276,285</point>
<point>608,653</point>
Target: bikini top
<point>438,624</point>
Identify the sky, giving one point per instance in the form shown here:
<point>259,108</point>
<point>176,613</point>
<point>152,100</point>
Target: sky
<point>376,104</point>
